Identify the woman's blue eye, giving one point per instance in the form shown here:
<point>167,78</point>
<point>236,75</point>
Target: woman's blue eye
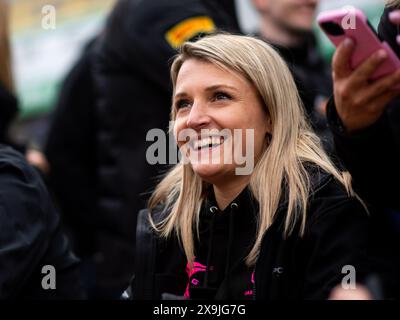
<point>221,96</point>
<point>182,104</point>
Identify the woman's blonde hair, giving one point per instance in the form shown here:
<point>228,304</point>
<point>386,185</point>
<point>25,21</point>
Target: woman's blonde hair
<point>6,78</point>
<point>282,163</point>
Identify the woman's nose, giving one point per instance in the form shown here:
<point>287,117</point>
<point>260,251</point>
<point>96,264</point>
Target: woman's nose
<point>198,117</point>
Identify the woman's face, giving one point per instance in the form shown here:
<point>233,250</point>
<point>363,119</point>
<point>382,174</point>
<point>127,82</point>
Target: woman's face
<point>221,123</point>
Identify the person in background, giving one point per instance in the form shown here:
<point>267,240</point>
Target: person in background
<point>364,117</point>
<point>288,26</point>
<point>31,241</point>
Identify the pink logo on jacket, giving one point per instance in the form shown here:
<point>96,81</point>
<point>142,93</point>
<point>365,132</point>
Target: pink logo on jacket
<point>197,267</point>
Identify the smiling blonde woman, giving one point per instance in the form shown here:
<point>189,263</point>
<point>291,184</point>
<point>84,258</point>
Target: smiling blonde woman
<point>284,231</point>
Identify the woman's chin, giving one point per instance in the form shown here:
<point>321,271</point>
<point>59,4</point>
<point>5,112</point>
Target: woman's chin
<point>208,171</point>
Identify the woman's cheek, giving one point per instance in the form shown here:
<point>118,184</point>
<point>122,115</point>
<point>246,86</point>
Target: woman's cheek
<point>177,129</point>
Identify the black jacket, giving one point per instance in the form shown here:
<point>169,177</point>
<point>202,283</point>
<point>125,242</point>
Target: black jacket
<point>131,74</point>
<point>30,236</point>
<point>309,267</point>
<point>71,152</point>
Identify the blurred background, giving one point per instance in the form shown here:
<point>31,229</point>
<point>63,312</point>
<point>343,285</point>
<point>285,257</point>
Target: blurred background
<point>42,57</point>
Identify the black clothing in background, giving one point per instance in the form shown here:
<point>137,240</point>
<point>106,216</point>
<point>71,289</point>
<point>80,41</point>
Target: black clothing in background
<point>30,236</point>
<point>312,75</point>
<point>71,152</point>
<point>388,31</point>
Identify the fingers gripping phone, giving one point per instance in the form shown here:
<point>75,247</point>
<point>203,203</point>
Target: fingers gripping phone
<point>350,22</point>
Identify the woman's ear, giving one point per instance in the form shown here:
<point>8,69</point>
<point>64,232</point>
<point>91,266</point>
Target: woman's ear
<point>268,132</point>
<point>268,128</point>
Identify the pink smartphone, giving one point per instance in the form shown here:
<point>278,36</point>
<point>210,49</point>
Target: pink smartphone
<point>350,22</point>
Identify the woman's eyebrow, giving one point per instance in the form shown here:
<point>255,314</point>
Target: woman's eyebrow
<point>180,94</point>
<point>210,88</point>
<point>220,86</point>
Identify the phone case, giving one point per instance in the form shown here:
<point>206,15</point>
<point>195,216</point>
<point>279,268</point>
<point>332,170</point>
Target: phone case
<point>352,23</point>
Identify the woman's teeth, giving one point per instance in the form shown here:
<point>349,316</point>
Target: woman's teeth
<point>207,142</point>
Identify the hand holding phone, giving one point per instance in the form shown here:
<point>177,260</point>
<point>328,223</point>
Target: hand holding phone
<point>360,58</point>
<point>350,22</point>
